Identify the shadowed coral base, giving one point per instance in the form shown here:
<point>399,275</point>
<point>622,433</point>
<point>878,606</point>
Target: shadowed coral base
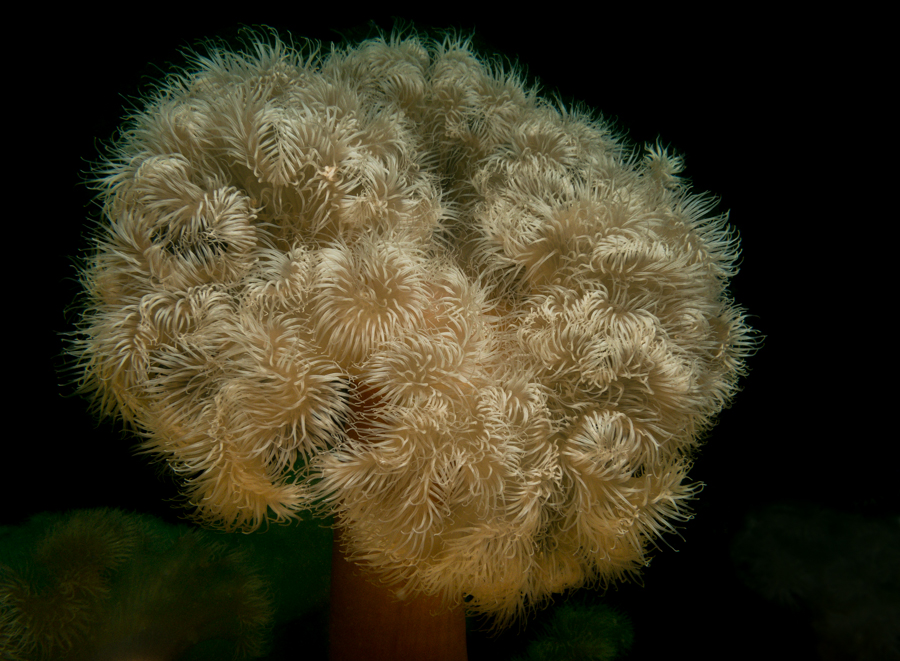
<point>369,622</point>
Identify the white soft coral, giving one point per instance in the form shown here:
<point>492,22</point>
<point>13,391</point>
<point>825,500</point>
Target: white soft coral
<point>396,286</point>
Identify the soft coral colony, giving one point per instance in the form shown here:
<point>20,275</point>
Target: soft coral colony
<point>395,285</point>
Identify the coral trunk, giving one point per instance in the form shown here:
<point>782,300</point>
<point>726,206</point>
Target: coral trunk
<point>369,622</point>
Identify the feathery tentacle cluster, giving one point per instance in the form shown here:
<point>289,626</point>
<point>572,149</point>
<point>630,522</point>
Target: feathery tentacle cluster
<point>395,285</point>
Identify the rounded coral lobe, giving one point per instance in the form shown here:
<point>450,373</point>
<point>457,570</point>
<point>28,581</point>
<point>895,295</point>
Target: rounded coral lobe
<point>394,285</point>
<point>366,294</point>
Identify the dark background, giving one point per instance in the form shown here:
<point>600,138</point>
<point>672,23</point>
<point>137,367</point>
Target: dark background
<point>775,115</point>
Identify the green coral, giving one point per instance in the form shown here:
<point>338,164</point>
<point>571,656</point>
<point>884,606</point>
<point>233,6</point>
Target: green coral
<point>582,633</point>
<point>98,584</point>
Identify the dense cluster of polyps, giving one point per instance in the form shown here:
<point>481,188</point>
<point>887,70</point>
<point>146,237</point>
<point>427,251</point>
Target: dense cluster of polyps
<point>395,285</point>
